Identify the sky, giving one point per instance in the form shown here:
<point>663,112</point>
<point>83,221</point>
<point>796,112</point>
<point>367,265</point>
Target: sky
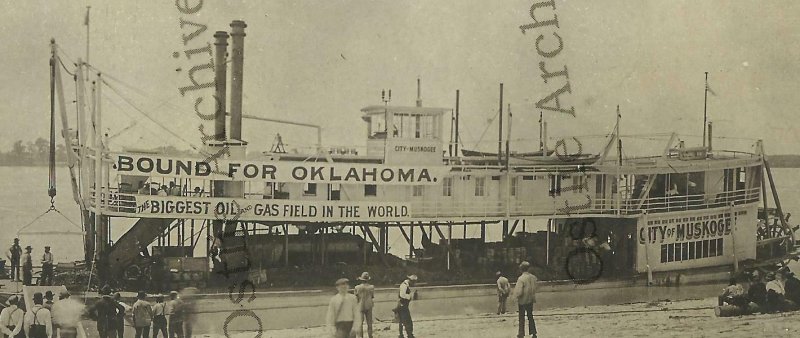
<point>321,62</point>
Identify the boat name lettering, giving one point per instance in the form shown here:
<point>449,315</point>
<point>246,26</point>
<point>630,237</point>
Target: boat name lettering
<point>685,230</point>
<point>415,149</point>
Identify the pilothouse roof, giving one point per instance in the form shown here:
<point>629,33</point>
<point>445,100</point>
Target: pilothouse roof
<point>380,109</point>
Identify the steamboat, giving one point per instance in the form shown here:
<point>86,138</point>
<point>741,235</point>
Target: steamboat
<point>303,219</point>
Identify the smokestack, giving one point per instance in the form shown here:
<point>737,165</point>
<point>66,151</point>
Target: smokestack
<point>237,68</point>
<point>220,84</point>
<point>710,136</point>
<point>419,94</point>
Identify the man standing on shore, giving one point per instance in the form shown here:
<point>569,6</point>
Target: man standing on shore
<point>403,309</point>
<point>365,292</point>
<point>47,267</point>
<point>503,289</point>
<point>525,291</point>
<point>27,267</point>
<point>344,317</point>
<point>14,254</point>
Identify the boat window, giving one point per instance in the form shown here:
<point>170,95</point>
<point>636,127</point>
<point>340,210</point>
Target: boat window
<point>310,189</point>
<point>514,183</point>
<point>370,190</point>
<point>447,187</point>
<point>676,252</point>
<point>480,186</point>
<point>555,185</point>
<point>334,191</point>
<point>418,190</point>
<point>377,127</point>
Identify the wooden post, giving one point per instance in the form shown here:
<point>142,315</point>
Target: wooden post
<point>372,237</point>
<point>322,248</point>
<point>505,229</point>
<point>286,245</point>
<point>483,231</point>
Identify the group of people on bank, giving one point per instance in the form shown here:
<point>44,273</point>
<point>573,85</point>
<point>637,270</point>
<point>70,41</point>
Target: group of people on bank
<point>47,318</point>
<point>348,313</point>
<point>44,319</point>
<point>23,260</point>
<point>171,318</point>
<point>774,292</point>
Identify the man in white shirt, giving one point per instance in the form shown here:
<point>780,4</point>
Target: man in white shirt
<point>38,323</point>
<point>47,267</point>
<point>503,290</point>
<point>403,310</point>
<point>344,315</point>
<point>11,318</point>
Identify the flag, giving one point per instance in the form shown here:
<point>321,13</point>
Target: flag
<point>708,88</point>
<point>86,18</point>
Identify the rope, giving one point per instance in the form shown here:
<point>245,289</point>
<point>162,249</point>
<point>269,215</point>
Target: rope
<point>52,208</point>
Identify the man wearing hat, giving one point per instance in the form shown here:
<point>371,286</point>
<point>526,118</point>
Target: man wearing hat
<point>11,319</point>
<point>27,266</point>
<point>174,312</point>
<point>106,311</point>
<point>142,315</point>
<point>403,310</point>
<point>365,292</point>
<point>344,317</point>
<point>47,267</point>
<point>66,315</point>
<point>38,322</point>
<point>14,254</point>
<point>525,291</point>
<point>503,289</point>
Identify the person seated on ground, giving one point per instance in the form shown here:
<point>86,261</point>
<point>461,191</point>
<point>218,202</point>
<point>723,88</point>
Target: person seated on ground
<point>792,286</point>
<point>733,294</point>
<point>163,191</point>
<point>757,292</point>
<point>776,293</point>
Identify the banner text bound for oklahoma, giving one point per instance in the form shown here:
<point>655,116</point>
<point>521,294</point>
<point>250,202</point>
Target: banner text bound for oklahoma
<point>277,171</point>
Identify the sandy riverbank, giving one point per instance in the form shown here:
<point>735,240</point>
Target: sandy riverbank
<point>693,318</point>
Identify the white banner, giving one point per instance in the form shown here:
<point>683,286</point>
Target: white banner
<point>267,209</point>
<point>277,171</point>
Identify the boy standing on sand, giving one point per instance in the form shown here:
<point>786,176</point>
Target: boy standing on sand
<point>365,292</point>
<point>503,289</point>
<point>525,291</point>
<point>344,317</point>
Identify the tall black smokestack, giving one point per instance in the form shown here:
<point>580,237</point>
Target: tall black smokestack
<point>237,69</point>
<point>220,84</point>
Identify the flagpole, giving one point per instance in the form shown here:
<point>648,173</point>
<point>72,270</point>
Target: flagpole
<point>86,23</point>
<point>705,112</point>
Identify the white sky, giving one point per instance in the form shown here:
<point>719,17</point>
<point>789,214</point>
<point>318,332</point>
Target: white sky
<point>320,62</point>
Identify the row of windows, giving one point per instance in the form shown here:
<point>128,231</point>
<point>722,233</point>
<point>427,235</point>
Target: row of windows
<point>676,252</point>
<point>310,189</point>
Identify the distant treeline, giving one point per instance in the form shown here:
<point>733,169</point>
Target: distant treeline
<point>784,161</point>
<point>37,153</point>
